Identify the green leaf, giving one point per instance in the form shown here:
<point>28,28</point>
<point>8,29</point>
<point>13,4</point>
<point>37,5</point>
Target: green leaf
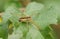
<point>34,34</point>
<point>4,30</point>
<point>54,3</point>
<point>33,8</point>
<point>41,15</point>
<point>20,32</point>
<point>48,33</point>
<point>12,14</point>
<point>17,34</point>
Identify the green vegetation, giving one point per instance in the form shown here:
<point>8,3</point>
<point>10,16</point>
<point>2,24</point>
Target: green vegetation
<point>30,22</point>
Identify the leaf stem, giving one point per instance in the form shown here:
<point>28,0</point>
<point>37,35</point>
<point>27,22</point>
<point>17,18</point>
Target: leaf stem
<point>35,25</point>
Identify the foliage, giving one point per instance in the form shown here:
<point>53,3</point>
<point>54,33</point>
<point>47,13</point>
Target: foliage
<point>37,27</point>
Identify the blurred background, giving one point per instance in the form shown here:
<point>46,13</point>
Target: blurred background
<point>23,3</point>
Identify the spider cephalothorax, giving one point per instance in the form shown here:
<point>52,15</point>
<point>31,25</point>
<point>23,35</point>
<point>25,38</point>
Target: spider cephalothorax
<point>24,19</point>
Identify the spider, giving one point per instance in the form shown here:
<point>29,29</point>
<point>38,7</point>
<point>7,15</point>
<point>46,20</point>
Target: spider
<point>24,19</point>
